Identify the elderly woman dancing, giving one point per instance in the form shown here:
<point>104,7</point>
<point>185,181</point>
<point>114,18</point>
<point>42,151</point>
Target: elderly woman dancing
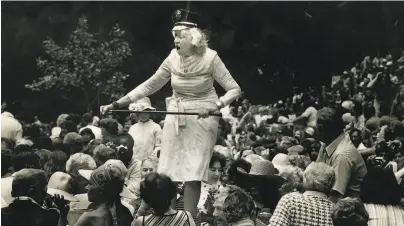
<point>188,141</point>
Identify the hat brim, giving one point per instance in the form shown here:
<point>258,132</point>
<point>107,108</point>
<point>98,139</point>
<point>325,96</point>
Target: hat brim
<point>278,180</point>
<point>147,108</point>
<point>67,196</point>
<point>86,173</point>
<point>124,193</point>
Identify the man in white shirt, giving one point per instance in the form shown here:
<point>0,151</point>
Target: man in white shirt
<point>10,127</point>
<point>145,133</point>
<point>88,120</point>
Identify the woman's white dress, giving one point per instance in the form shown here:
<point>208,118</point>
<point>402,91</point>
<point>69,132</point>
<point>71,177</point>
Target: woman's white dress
<point>187,142</point>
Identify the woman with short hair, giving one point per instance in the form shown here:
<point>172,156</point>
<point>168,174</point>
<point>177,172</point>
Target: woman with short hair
<point>312,207</point>
<point>157,190</point>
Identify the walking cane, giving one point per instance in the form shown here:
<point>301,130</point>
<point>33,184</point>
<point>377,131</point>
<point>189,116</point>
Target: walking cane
<point>217,114</point>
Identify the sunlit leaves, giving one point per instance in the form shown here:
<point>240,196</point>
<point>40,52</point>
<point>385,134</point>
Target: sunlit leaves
<point>87,63</point>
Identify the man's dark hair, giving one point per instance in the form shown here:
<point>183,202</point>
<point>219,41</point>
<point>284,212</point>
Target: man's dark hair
<point>26,159</point>
<point>158,190</point>
<point>26,179</point>
<point>87,118</point>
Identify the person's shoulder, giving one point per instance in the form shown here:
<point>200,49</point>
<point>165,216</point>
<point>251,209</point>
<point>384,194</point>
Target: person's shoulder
<point>291,197</point>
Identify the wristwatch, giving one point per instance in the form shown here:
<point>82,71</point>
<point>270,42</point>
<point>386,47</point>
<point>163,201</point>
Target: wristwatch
<point>115,105</point>
<point>220,104</point>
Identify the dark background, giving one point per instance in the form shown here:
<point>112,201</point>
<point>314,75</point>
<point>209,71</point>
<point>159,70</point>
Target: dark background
<point>311,39</point>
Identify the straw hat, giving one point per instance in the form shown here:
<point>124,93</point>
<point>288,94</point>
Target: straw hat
<point>262,171</point>
<point>60,184</point>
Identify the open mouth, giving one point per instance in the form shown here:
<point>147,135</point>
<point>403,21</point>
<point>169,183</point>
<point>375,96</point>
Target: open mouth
<point>177,47</point>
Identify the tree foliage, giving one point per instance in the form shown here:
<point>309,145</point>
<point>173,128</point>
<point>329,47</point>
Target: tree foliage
<point>86,68</point>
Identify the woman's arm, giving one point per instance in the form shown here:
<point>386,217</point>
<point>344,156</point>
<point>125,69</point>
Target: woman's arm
<point>224,78</point>
<point>368,151</point>
<point>152,85</point>
<point>373,81</point>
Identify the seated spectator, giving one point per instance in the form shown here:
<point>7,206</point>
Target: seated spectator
<point>381,196</point>
<point>312,207</point>
<point>239,209</point>
<point>293,180</point>
<point>56,163</point>
<point>44,156</point>
<point>55,133</point>
<point>87,120</point>
<point>66,127</point>
<point>103,153</point>
<point>109,129</point>
<point>73,143</point>
<point>216,165</point>
<point>76,162</point>
<point>88,135</point>
<point>29,192</point>
<point>61,184</point>
<point>105,185</point>
<point>157,190</point>
<point>263,183</point>
<point>26,159</point>
<point>350,211</point>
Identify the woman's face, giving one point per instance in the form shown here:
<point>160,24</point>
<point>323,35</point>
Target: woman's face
<point>147,168</point>
<point>94,192</point>
<point>86,137</point>
<point>182,42</point>
<point>215,171</point>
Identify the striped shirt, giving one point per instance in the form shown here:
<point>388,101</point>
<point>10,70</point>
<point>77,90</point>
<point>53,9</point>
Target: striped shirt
<point>180,218</point>
<point>381,215</point>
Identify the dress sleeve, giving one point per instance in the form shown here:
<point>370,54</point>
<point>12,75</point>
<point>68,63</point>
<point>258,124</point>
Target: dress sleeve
<point>224,78</point>
<point>154,83</point>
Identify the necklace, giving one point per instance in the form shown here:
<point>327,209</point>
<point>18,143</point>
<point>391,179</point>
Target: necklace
<point>183,63</point>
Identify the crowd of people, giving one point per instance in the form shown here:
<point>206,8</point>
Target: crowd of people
<point>333,156</point>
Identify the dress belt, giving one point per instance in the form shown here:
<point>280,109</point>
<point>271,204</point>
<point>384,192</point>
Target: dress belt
<point>180,120</point>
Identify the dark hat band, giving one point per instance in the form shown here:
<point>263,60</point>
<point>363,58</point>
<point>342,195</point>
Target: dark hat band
<point>186,23</point>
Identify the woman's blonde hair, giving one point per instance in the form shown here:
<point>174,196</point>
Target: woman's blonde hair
<point>199,39</point>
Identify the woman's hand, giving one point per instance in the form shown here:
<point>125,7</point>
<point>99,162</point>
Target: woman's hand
<point>203,113</point>
<point>105,108</point>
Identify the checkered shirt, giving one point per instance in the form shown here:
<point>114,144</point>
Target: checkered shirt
<point>302,210</point>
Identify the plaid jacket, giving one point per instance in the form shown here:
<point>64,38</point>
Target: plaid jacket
<point>302,210</point>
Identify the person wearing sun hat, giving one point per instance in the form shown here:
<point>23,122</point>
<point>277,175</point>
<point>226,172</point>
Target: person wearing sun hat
<point>105,190</point>
<point>187,140</point>
<point>262,182</point>
<point>146,133</point>
<point>61,184</point>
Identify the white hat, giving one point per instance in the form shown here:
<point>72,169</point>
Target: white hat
<point>141,105</point>
<point>60,184</point>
